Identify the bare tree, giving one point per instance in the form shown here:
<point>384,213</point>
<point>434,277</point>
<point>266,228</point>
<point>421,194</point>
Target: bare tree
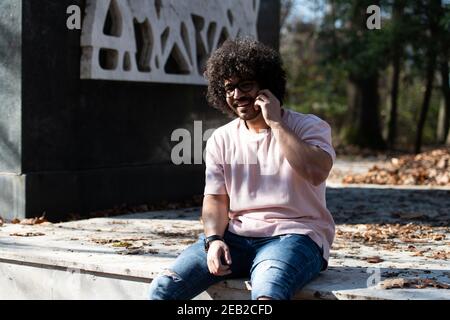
<point>397,54</point>
<point>286,10</point>
<point>431,13</point>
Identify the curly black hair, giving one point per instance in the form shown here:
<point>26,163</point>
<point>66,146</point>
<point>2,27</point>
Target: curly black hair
<point>246,59</point>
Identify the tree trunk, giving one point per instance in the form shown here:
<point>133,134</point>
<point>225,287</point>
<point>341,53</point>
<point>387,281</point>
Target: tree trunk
<point>431,66</point>
<point>392,133</point>
<point>448,138</point>
<point>396,62</point>
<point>435,45</point>
<point>366,130</point>
<point>444,123</point>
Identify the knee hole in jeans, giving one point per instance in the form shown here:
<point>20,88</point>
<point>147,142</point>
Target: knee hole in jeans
<point>169,273</point>
<point>283,287</point>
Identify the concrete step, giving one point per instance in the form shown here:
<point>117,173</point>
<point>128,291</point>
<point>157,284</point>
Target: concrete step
<point>89,259</point>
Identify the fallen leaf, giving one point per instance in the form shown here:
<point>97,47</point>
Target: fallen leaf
<point>134,251</point>
<point>34,221</point>
<point>29,221</point>
<point>408,215</point>
<point>427,168</point>
<point>375,259</point>
<point>412,283</point>
<point>122,244</point>
<point>15,221</point>
<point>104,241</point>
<point>131,252</point>
<point>384,233</point>
<point>27,234</point>
<point>441,255</point>
<point>439,237</point>
<point>392,283</point>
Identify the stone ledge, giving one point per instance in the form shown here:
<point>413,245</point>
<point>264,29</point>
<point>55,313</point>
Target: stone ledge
<point>82,253</point>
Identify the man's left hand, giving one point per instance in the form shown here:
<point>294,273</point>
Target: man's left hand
<point>270,107</point>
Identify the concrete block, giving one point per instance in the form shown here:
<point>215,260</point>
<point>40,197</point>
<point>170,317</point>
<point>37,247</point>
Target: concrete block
<point>160,41</point>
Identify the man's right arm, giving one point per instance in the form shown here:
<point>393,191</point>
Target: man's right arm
<point>215,214</point>
<point>215,221</point>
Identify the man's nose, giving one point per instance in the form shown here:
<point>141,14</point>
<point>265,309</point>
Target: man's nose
<point>237,93</point>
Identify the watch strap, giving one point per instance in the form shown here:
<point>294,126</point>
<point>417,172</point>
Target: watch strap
<point>210,239</point>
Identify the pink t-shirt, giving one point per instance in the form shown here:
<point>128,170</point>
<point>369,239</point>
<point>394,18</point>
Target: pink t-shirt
<point>267,197</point>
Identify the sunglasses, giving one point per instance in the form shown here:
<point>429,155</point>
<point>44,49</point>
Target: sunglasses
<point>243,86</point>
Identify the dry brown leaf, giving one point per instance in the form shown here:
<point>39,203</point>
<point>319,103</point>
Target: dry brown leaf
<point>104,241</point>
<point>134,251</point>
<point>392,283</point>
<point>412,283</point>
<point>441,255</point>
<point>27,234</point>
<point>428,168</point>
<point>384,233</point>
<point>29,221</point>
<point>15,221</point>
<point>131,252</point>
<point>34,221</point>
<point>122,244</point>
<point>375,259</point>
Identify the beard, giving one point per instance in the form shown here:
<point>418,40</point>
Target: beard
<point>244,108</point>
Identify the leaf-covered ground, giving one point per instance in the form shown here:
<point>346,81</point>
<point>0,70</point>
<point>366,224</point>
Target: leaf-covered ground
<point>430,168</point>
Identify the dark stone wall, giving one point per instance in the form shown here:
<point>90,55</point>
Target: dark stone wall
<point>88,144</point>
<point>10,86</point>
<point>12,184</point>
<point>75,124</point>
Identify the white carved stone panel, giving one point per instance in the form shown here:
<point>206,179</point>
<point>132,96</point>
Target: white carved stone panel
<point>159,40</point>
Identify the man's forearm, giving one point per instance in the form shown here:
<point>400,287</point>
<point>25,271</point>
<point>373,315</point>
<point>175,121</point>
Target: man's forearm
<point>310,162</point>
<point>215,214</point>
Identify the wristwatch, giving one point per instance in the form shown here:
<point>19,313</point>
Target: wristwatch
<point>210,239</point>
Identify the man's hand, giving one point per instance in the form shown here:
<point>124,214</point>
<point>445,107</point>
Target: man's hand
<point>310,162</point>
<point>270,107</point>
<point>216,251</point>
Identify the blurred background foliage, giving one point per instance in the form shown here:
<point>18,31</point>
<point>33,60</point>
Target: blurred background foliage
<point>385,89</point>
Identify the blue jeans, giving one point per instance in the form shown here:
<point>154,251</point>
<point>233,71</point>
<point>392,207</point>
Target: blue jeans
<point>278,267</point>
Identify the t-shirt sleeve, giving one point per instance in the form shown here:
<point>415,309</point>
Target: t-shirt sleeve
<point>316,132</point>
<point>214,175</point>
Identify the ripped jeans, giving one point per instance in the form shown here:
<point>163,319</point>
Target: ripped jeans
<point>277,266</point>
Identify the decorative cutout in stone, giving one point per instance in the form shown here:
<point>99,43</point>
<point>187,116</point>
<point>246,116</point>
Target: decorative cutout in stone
<point>159,40</point>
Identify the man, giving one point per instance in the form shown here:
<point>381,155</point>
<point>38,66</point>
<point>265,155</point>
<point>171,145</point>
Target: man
<point>264,212</point>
